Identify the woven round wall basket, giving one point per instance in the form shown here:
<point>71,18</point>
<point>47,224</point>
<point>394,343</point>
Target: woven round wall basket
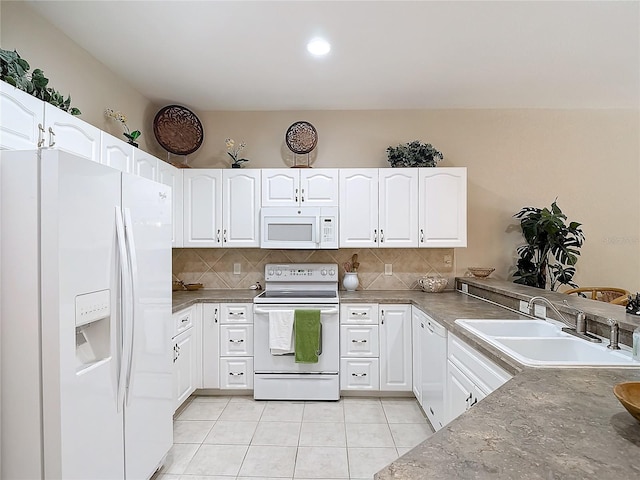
<point>178,130</point>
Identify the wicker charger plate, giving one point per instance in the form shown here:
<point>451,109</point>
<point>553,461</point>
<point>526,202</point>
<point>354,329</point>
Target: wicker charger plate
<point>178,130</point>
<point>301,138</point>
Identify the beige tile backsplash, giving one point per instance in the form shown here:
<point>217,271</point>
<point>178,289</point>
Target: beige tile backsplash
<point>213,267</point>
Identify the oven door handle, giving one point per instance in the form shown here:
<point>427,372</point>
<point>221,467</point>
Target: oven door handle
<point>330,311</point>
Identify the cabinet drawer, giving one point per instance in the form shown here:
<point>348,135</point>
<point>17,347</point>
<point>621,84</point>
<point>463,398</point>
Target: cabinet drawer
<point>182,320</point>
<point>236,313</point>
<point>482,371</point>
<point>236,373</point>
<point>236,340</point>
<point>359,374</point>
<point>359,313</point>
<point>359,341</point>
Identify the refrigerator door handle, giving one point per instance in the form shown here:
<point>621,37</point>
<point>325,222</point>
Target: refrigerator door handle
<point>133,264</point>
<point>126,302</point>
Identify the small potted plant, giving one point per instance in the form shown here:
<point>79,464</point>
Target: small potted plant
<point>414,154</point>
<point>122,118</point>
<point>234,151</point>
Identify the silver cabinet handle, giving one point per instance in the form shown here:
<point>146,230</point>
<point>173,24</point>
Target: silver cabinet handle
<point>358,314</point>
<point>296,194</point>
<point>358,374</point>
<point>218,236</point>
<point>52,134</point>
<point>224,236</point>
<point>41,132</point>
<point>302,195</point>
<point>215,315</point>
<point>382,317</point>
<point>236,313</point>
<point>375,236</point>
<point>185,319</point>
<point>421,235</point>
<point>236,341</point>
<point>234,374</point>
<point>358,341</point>
<point>381,236</point>
<point>475,400</point>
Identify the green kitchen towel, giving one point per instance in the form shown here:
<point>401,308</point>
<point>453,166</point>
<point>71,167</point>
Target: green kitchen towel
<point>306,328</point>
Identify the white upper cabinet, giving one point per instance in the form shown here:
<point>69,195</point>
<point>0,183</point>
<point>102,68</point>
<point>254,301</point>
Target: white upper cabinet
<point>358,207</point>
<point>241,208</point>
<point>443,207</point>
<point>116,153</point>
<point>172,177</point>
<point>21,119</point>
<point>145,165</point>
<point>298,187</point>
<point>221,208</point>
<point>379,207</point>
<point>71,134</point>
<point>398,207</point>
<point>202,207</point>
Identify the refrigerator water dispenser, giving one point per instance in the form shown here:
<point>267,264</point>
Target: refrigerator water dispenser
<point>93,329</point>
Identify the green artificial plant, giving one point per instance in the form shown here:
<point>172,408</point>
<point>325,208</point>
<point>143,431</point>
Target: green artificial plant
<point>551,251</point>
<point>414,154</point>
<point>15,71</point>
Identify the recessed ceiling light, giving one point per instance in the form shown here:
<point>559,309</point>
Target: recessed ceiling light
<point>318,46</point>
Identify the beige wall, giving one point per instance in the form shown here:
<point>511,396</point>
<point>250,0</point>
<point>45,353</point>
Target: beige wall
<point>71,70</point>
<point>589,159</point>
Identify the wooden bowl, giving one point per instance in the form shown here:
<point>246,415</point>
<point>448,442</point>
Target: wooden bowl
<point>193,286</point>
<point>481,272</point>
<point>628,393</point>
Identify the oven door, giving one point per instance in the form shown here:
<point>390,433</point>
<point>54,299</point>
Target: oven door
<point>329,358</point>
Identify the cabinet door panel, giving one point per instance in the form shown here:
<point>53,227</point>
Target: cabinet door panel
<point>359,340</point>
<point>210,345</point>
<point>319,187</point>
<point>236,340</point>
<point>71,134</point>
<point>398,214</point>
<point>184,366</point>
<point>280,187</point>
<point>145,165</point>
<point>116,154</point>
<point>358,207</point>
<point>172,176</point>
<point>359,374</point>
<point>395,348</point>
<point>241,208</point>
<point>459,392</point>
<point>236,373</point>
<point>20,115</point>
<point>202,208</point>
<point>443,207</point>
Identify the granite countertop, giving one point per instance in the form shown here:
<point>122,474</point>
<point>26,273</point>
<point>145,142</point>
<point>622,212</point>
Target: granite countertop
<point>184,299</point>
<point>543,424</point>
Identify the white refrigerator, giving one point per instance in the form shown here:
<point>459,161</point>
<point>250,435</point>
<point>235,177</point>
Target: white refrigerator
<point>86,320</point>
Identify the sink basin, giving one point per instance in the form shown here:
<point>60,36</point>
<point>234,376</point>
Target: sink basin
<point>538,343</point>
<point>512,328</point>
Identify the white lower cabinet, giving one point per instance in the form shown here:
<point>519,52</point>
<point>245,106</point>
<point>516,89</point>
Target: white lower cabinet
<point>359,374</point>
<point>359,347</point>
<point>187,373</point>
<point>236,373</point>
<point>210,345</point>
<point>395,348</point>
<point>470,377</point>
<point>236,346</point>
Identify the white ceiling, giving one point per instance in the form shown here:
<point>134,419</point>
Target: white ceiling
<point>251,55</point>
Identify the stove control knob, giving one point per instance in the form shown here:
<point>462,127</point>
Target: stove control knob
<point>323,272</point>
<point>332,272</point>
<point>270,272</point>
<point>278,272</point>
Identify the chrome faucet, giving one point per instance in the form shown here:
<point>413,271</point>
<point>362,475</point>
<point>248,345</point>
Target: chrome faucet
<point>580,329</point>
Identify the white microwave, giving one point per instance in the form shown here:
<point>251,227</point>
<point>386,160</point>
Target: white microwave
<point>299,227</point>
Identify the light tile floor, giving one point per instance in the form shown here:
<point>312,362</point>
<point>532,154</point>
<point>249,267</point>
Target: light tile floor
<point>218,438</point>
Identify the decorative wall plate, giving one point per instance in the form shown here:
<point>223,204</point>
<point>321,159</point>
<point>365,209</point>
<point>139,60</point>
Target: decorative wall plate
<point>178,130</point>
<point>301,137</point>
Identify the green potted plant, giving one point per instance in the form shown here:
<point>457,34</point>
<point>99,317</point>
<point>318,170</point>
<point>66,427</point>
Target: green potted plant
<point>15,71</point>
<point>414,154</point>
<point>552,248</point>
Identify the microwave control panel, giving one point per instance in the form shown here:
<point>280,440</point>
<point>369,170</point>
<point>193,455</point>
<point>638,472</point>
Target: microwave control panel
<point>328,229</point>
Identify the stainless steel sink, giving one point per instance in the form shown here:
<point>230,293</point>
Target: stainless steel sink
<point>539,343</point>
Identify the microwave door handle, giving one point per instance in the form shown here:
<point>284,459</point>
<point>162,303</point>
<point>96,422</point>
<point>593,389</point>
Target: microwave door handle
<point>318,236</point>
